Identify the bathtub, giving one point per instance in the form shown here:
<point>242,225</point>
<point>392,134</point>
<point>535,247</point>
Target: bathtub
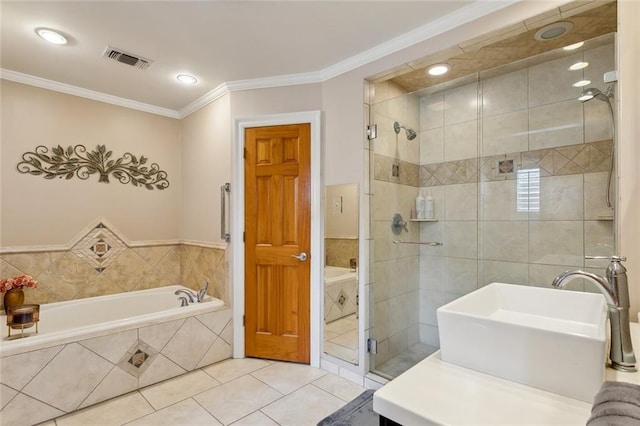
<point>90,350</point>
<point>340,292</point>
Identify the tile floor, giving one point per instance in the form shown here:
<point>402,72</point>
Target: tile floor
<point>341,338</point>
<point>235,391</point>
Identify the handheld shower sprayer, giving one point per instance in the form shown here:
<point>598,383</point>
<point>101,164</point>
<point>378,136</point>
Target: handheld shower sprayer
<point>411,134</point>
<point>594,93</point>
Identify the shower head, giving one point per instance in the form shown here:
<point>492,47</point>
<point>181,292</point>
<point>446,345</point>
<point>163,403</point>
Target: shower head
<point>593,93</point>
<point>411,134</point>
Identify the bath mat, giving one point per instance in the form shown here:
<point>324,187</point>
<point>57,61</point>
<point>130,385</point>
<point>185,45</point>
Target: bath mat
<point>358,412</point>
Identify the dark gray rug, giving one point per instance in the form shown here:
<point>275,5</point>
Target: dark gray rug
<point>358,412</point>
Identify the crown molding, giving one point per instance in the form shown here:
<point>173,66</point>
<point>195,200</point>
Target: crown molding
<point>204,100</point>
<point>43,83</point>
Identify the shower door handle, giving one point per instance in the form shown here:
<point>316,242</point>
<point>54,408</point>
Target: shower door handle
<point>301,257</point>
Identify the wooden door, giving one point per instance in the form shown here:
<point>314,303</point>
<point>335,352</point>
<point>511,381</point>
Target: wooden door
<point>277,227</point>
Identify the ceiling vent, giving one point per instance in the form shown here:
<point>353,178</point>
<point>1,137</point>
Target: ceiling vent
<point>120,55</point>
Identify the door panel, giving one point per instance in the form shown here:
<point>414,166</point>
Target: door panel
<point>277,226</point>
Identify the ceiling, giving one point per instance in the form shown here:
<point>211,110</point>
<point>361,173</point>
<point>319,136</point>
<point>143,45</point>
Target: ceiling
<point>217,41</point>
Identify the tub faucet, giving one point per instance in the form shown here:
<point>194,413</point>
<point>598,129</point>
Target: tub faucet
<point>616,292</point>
<point>202,293</point>
<point>191,296</point>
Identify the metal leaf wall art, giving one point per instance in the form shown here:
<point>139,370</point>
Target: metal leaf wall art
<point>77,161</point>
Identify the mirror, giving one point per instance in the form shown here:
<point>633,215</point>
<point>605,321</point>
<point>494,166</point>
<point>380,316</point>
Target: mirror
<point>341,272</point>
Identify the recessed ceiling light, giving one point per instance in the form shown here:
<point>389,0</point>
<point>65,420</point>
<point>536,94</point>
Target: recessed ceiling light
<point>581,83</point>
<point>186,79</point>
<point>574,46</point>
<point>438,69</point>
<point>553,31</point>
<point>578,66</point>
<point>51,36</point>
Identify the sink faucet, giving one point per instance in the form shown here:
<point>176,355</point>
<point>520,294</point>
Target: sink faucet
<point>616,292</point>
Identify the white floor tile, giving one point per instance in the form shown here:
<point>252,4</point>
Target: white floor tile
<point>256,418</point>
<point>236,399</point>
<point>306,406</point>
<point>169,392</point>
<point>187,412</point>
<point>230,369</point>
<point>116,411</point>
<point>339,386</point>
<point>287,377</point>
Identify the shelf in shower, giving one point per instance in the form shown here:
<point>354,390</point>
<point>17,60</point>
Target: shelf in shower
<point>605,218</point>
<point>423,220</point>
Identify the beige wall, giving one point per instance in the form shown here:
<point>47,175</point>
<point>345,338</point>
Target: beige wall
<point>40,212</point>
<point>206,165</point>
<point>341,219</point>
<point>629,140</point>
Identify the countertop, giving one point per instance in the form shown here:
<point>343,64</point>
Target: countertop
<point>436,392</point>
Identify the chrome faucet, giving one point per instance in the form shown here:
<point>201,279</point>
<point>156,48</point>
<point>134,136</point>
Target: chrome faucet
<point>616,292</point>
<point>193,297</point>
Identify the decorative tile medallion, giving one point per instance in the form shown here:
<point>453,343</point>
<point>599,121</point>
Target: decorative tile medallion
<point>342,299</point>
<point>99,248</point>
<point>138,358</point>
<point>505,166</point>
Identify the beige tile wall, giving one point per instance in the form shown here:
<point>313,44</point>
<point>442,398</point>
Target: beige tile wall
<point>339,251</point>
<point>62,275</point>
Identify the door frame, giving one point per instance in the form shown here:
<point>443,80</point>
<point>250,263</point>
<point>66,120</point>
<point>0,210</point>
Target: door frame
<point>237,223</point>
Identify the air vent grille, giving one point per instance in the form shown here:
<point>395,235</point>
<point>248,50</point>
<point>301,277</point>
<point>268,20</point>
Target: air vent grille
<point>127,58</point>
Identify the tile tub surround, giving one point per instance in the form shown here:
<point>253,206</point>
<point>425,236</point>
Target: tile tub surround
<point>74,273</point>
<point>48,382</point>
<point>339,251</point>
<point>340,293</point>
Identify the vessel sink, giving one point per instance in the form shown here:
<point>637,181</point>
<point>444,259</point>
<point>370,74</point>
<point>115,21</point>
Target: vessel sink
<point>550,339</point>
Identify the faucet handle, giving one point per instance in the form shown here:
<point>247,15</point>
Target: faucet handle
<point>611,258</point>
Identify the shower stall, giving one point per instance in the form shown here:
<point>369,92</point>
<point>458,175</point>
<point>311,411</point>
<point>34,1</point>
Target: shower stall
<point>518,169</point>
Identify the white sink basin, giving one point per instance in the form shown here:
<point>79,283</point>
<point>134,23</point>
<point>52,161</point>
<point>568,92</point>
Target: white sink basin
<point>550,339</point>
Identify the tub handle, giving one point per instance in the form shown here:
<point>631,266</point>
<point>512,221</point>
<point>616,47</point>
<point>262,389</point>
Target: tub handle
<point>224,189</point>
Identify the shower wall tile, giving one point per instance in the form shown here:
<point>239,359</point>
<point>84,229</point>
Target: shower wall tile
<point>430,301</point>
<point>432,146</point>
<point>398,314</point>
<point>429,335</point>
<point>505,240</point>
<point>432,273</point>
<point>498,201</point>
<point>561,198</point>
<point>432,111</point>
<point>557,124</point>
<point>504,94</point>
<point>432,231</point>
<point>408,173</point>
<point>552,81</point>
<point>543,275</point>
<point>398,343</point>
<point>461,202</point>
<point>462,276</point>
<point>461,104</point>
<point>601,60</point>
<point>381,280</point>
<point>505,133</point>
<point>381,320</point>
<point>556,243</point>
<point>598,241</point>
<point>461,239</point>
<point>595,206</point>
<point>504,272</point>
<point>597,121</point>
<point>461,141</point>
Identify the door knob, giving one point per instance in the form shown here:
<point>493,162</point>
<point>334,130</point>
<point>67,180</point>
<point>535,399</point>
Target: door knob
<point>301,257</point>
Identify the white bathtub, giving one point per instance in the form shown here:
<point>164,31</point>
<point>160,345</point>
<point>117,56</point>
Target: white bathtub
<point>340,292</point>
<point>90,348</point>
